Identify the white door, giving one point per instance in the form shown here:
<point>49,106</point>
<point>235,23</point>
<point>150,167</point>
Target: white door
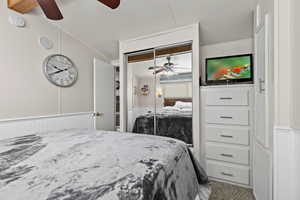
<point>104,96</point>
<point>262,153</point>
<point>260,87</point>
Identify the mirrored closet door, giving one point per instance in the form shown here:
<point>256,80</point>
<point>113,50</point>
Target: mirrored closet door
<point>140,92</point>
<point>159,89</point>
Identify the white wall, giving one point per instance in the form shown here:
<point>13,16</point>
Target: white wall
<point>295,92</point>
<point>244,46</point>
<point>287,133</point>
<point>295,49</point>
<point>179,90</point>
<point>23,87</point>
<point>282,67</point>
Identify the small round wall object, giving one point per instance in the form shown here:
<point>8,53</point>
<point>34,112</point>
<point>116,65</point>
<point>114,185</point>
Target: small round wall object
<point>16,20</point>
<point>45,42</point>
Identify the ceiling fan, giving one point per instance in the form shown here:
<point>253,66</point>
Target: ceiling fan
<point>167,67</point>
<point>52,11</point>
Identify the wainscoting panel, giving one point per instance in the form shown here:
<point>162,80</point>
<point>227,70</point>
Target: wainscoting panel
<point>26,126</point>
<point>262,173</point>
<point>296,166</point>
<point>286,163</point>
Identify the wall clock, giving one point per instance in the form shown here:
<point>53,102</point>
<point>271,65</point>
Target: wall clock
<point>60,70</point>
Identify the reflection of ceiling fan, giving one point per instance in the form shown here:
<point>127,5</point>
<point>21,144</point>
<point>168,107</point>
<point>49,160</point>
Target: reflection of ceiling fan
<point>52,11</point>
<point>167,67</point>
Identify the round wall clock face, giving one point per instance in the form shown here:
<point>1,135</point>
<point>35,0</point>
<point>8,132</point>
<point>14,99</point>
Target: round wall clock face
<point>60,70</point>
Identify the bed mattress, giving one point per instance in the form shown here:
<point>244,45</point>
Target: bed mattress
<point>97,165</point>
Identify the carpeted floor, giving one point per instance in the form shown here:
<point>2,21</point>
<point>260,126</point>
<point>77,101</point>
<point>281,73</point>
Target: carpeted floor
<point>223,191</point>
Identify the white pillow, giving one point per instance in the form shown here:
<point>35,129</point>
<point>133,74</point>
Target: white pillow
<point>170,108</point>
<point>180,104</point>
<point>186,109</point>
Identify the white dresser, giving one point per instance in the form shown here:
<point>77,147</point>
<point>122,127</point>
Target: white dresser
<point>227,124</point>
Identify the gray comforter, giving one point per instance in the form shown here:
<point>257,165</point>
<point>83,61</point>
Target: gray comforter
<point>91,165</point>
<point>171,125</point>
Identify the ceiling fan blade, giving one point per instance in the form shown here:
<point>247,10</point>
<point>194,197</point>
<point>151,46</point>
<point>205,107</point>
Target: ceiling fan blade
<point>155,67</point>
<point>50,9</point>
<point>113,4</point>
<point>158,71</point>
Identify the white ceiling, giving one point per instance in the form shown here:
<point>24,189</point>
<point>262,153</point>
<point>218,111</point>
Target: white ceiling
<point>101,27</point>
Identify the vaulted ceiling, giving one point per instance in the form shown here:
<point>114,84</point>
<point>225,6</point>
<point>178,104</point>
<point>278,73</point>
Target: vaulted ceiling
<point>101,28</point>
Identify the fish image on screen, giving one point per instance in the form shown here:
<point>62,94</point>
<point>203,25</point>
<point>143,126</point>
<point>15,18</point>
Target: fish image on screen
<point>231,69</point>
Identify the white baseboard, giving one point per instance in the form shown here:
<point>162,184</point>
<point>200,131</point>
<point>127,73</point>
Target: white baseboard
<point>30,125</point>
<point>231,183</point>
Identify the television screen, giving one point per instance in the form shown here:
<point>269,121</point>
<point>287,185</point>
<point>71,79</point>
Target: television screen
<point>231,69</point>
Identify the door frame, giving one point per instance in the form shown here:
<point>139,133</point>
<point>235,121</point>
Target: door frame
<point>94,92</point>
<point>167,38</point>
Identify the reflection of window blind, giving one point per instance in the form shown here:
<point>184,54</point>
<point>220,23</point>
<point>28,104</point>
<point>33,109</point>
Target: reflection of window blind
<point>186,77</point>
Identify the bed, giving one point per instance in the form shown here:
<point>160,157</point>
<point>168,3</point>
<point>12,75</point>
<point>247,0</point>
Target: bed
<point>81,164</point>
<point>171,121</point>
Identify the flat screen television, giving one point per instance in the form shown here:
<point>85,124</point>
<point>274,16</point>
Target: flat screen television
<point>229,70</point>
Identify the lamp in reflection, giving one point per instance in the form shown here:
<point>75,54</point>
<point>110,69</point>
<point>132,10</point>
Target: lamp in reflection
<point>159,92</point>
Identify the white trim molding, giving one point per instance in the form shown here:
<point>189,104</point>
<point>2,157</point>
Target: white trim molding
<point>286,163</point>
<point>30,125</point>
<point>44,117</point>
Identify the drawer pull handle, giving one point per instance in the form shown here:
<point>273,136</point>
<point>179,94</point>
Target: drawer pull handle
<point>227,136</point>
<point>227,155</point>
<point>227,174</point>
<point>226,117</point>
<point>225,98</point>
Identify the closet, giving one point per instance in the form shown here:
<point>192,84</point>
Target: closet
<point>117,97</point>
<point>155,48</point>
<point>159,92</point>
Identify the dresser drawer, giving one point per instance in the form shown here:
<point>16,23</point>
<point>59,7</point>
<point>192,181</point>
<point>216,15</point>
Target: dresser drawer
<point>228,172</point>
<point>226,116</point>
<point>228,153</point>
<point>227,98</point>
<point>232,135</point>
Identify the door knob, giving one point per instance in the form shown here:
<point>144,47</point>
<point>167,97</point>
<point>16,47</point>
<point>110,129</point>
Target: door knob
<point>98,114</point>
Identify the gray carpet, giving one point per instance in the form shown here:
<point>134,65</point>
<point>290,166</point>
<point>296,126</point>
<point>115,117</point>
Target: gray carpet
<point>223,191</point>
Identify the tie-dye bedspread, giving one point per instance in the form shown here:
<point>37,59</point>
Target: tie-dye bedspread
<point>98,165</point>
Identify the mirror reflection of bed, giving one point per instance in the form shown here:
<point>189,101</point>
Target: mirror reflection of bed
<point>160,101</point>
